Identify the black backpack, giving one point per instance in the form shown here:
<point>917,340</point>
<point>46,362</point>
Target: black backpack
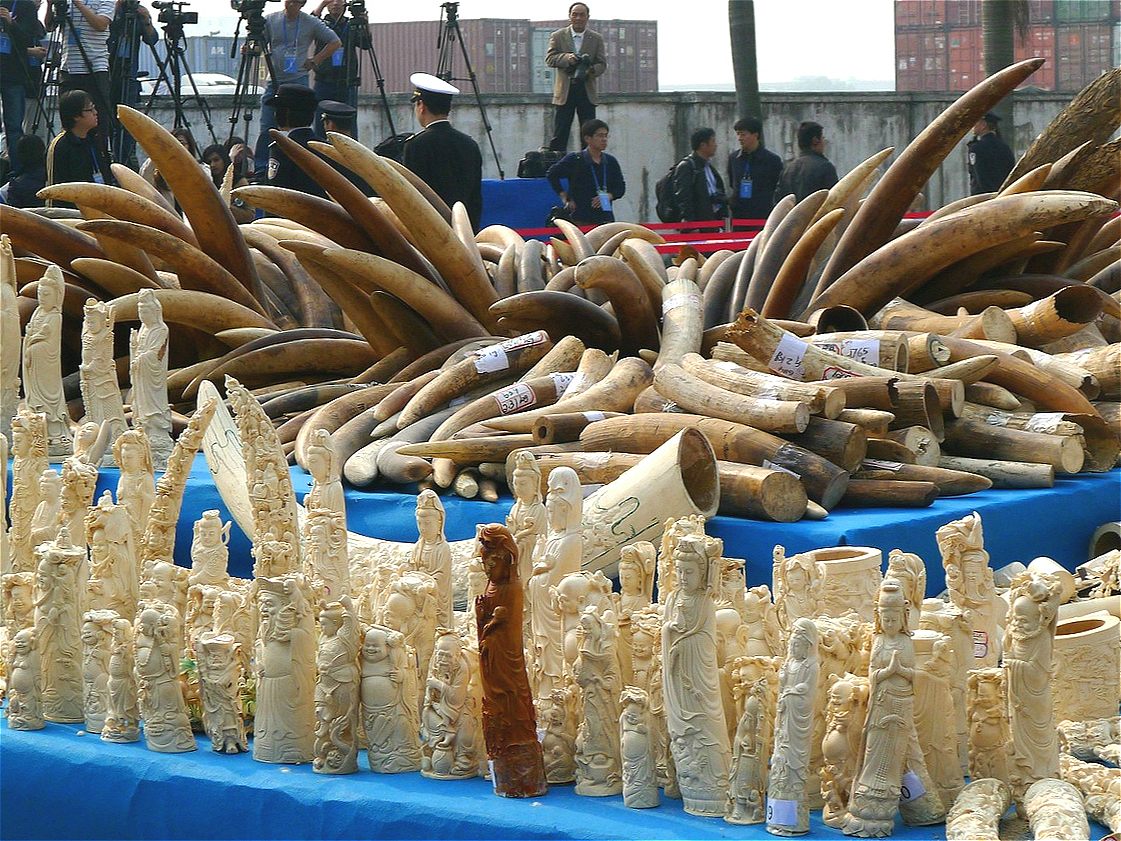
<point>666,199</point>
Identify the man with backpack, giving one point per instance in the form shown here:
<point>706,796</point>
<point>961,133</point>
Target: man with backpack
<point>695,192</point>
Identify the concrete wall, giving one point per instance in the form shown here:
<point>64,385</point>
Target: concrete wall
<point>651,131</point>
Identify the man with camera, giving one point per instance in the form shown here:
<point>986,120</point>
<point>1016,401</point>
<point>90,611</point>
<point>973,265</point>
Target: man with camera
<point>578,55</point>
<point>85,51</point>
<point>337,78</point>
<point>131,26</point>
<point>17,34</point>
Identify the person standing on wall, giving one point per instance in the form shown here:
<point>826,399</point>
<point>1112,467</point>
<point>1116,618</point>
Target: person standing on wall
<point>990,158</point>
<point>595,179</point>
<point>697,186</point>
<point>291,33</point>
<point>447,159</point>
<point>811,170</point>
<point>578,55</point>
<point>753,172</point>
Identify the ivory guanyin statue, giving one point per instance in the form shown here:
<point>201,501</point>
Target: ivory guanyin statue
<point>447,721</point>
<point>101,393</point>
<point>136,487</point>
<point>114,580</point>
<point>221,675</point>
<point>527,519</point>
<point>509,722</point>
<point>48,513</point>
<point>58,627</point>
<point>891,759</point>
<point>969,580</point>
<point>337,691</point>
<point>97,642</point>
<point>284,721</point>
<point>797,583</point>
<point>432,554</point>
<point>749,755</point>
<point>210,554</point>
<point>42,363</point>
<point>1029,639</point>
<point>672,532</point>
<point>909,570</point>
<point>388,701</point>
<point>122,716</point>
<point>25,707</point>
<point>148,373</point>
<point>694,713</point>
<point>326,473</point>
<point>640,779</point>
<point>598,764</point>
<point>556,555</point>
<point>29,460</point>
<point>989,736</point>
<point>167,728</point>
<point>326,552</point>
<point>787,810</point>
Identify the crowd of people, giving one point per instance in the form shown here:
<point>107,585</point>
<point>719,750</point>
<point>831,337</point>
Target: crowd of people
<point>588,182</point>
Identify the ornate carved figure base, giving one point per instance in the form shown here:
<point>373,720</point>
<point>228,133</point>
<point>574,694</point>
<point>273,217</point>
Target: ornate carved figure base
<point>1055,811</point>
<point>975,815</point>
<point>220,679</point>
<point>25,707</point>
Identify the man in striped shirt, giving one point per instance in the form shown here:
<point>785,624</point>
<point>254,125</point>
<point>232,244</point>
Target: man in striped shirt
<point>85,50</point>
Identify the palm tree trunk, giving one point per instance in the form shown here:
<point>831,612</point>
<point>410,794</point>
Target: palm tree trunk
<point>745,69</point>
<point>1000,22</point>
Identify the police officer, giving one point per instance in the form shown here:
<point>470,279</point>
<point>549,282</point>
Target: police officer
<point>447,159</point>
<point>294,106</point>
<point>337,117</point>
<point>990,158</point>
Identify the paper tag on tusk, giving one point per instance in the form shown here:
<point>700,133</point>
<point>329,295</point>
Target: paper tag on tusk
<point>1044,421</point>
<point>876,463</point>
<point>515,398</point>
<point>788,356</point>
<point>562,381</point>
<point>684,299</point>
<point>862,350</point>
<point>492,359</point>
<point>592,417</point>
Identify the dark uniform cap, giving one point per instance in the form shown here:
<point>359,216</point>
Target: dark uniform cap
<point>337,110</point>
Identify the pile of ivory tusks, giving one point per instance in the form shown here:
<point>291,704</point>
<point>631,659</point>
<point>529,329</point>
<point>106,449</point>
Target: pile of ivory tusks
<point>848,356</point>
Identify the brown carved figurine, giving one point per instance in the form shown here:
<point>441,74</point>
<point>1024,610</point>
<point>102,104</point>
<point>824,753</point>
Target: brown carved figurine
<point>509,724</point>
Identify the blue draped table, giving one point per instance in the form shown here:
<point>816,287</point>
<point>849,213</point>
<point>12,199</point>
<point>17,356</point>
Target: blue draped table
<point>517,202</point>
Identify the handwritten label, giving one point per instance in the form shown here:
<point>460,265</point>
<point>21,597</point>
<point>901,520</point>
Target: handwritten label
<point>515,398</point>
<point>684,299</point>
<point>912,788</point>
<point>579,383</point>
<point>562,381</point>
<point>1044,422</point>
<point>592,417</point>
<point>782,812</point>
<point>862,350</point>
<point>537,337</point>
<point>877,464</point>
<point>788,356</point>
<point>770,465</point>
<point>980,645</point>
<point>836,372</point>
<point>492,359</point>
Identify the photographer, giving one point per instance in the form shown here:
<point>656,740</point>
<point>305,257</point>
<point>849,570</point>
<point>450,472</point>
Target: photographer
<point>336,79</point>
<point>578,55</point>
<point>17,33</point>
<point>291,33</point>
<point>132,24</point>
<point>85,50</point>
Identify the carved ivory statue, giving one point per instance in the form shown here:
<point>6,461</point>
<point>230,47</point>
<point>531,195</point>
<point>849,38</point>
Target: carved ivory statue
<point>694,713</point>
<point>598,770</point>
<point>42,362</point>
<point>326,551</point>
<point>58,626</point>
<point>167,729</point>
<point>909,570</point>
<point>220,678</point>
<point>640,778</point>
<point>787,811</point>
<point>18,590</point>
<point>136,487</point>
<point>432,554</point>
<point>636,591</point>
<point>48,513</point>
<point>891,759</point>
<point>79,479</point>
<point>749,753</point>
<point>101,393</point>
<point>448,737</point>
<point>976,813</point>
<point>764,636</point>
<point>411,609</point>
<point>840,746</point>
<point>575,592</point>
<point>9,338</point>
<point>556,555</point>
<point>29,460</point>
<point>1100,786</point>
<point>934,712</point>
<point>797,583</point>
<point>25,707</point>
<point>148,373</point>
<point>509,724</point>
<point>284,723</point>
<point>122,718</point>
<point>389,709</point>
<point>114,580</point>
<point>336,693</point>
<point>526,520</point>
<point>97,641</point>
<point>969,579</point>
<point>1029,639</point>
<point>210,554</point>
<point>1055,810</point>
<point>326,473</point>
<point>989,737</point>
<point>646,663</point>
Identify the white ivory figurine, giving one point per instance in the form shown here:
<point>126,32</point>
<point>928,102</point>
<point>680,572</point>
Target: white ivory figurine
<point>326,552</point>
<point>989,737</point>
<point>797,583</point>
<point>210,554</point>
<point>114,580</point>
<point>48,513</point>
<point>934,712</point>
<point>976,813</point>
<point>411,610</point>
<point>969,579</point>
<point>432,554</point>
<point>336,693</point>
<point>526,520</point>
<point>167,729</point>
<point>640,780</point>
<point>840,746</point>
<point>79,479</point>
<point>97,642</point>
<point>694,712</point>
<point>136,487</point>
<point>25,702</point>
<point>148,373</point>
<point>749,753</point>
<point>449,737</point>
<point>388,694</point>
<point>101,393</point>
<point>1055,811</point>
<point>9,338</point>
<point>58,626</point>
<point>42,363</point>
<point>598,767</point>
<point>220,679</point>
<point>29,460</point>
<point>787,810</point>
<point>326,474</point>
<point>122,717</point>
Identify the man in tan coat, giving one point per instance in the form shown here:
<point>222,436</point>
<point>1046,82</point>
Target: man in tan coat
<point>578,55</point>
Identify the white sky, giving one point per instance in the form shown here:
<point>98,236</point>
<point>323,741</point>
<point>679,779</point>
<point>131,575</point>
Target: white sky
<point>850,39</point>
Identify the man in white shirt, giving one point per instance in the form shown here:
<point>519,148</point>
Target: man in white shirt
<point>85,52</point>
<point>578,55</point>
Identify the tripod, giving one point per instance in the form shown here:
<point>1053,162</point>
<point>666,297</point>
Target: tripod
<point>255,48</point>
<point>65,30</point>
<point>35,91</point>
<point>449,33</point>
<point>173,65</point>
<point>357,39</point>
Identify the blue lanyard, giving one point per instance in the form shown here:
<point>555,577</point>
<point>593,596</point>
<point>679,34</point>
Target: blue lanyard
<point>592,167</point>
<point>295,40</point>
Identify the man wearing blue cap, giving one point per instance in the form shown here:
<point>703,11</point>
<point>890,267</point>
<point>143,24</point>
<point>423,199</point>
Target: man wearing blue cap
<point>448,160</point>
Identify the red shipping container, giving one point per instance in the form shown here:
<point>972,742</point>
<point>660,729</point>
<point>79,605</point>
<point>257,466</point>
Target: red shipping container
<point>1082,53</point>
<point>966,60</point>
<point>920,14</point>
<point>963,13</point>
<point>1041,43</point>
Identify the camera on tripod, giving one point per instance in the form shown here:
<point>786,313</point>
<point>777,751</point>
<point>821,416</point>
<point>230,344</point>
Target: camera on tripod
<point>171,15</point>
<point>357,8</point>
<point>250,8</point>
<point>60,8</point>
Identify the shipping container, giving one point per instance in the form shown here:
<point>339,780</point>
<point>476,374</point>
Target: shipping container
<point>1087,11</point>
<point>1082,53</point>
<point>966,58</point>
<point>1040,43</point>
<point>921,60</point>
<point>966,13</point>
<point>920,14</point>
<point>632,54</point>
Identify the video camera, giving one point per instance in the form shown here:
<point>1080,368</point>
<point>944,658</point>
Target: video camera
<point>249,8</point>
<point>169,14</point>
<point>60,8</point>
<point>357,8</point>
